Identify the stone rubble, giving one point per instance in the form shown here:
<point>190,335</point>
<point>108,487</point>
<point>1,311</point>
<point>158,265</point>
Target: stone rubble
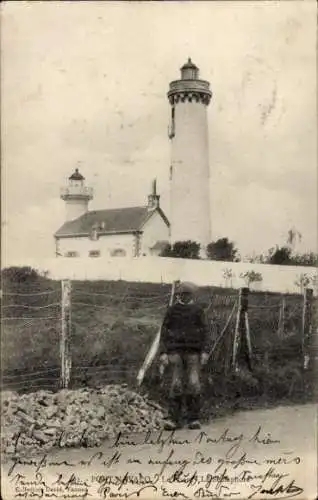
<point>72,418</point>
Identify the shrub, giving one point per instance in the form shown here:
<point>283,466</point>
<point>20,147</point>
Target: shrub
<point>251,277</point>
<point>182,250</point>
<point>222,249</point>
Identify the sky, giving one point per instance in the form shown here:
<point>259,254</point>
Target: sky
<point>84,85</point>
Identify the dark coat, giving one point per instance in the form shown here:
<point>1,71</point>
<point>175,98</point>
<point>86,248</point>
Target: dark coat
<point>184,330</point>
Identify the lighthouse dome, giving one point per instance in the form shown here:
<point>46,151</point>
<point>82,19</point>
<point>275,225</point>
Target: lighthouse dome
<point>189,71</point>
<point>76,176</point>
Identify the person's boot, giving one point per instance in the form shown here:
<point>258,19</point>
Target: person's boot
<point>174,420</point>
<point>193,412</point>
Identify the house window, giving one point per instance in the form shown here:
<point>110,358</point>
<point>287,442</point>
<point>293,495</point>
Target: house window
<point>118,252</point>
<point>94,253</point>
<point>72,254</point>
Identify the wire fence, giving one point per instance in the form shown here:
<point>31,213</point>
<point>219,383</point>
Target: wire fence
<point>113,324</point>
<point>30,336</point>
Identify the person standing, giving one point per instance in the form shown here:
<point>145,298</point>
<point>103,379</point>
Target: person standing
<point>184,344</point>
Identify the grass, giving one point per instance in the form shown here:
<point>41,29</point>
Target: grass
<point>114,324</point>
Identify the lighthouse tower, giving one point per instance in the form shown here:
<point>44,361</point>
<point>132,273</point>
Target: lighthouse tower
<point>76,196</point>
<point>189,170</point>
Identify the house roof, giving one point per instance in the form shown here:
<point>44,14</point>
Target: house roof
<point>111,221</point>
<point>160,245</point>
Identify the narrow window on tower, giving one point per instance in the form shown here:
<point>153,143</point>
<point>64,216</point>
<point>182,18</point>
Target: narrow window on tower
<point>172,126</point>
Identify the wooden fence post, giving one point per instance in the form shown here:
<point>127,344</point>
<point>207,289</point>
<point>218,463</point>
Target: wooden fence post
<point>310,342</point>
<point>236,339</point>
<point>242,328</point>
<point>65,341</point>
<point>306,323</point>
<point>248,341</point>
<point>281,319</point>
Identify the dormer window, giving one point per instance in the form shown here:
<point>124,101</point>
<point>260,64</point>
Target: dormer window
<point>94,234</point>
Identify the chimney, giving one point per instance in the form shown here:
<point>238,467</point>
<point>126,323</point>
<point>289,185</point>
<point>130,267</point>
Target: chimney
<point>153,198</point>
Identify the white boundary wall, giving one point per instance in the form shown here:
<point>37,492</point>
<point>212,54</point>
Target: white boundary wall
<point>166,270</point>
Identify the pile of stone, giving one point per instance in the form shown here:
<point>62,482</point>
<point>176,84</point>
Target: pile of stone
<point>73,418</point>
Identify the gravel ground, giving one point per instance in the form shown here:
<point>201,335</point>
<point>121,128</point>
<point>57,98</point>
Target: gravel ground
<point>293,430</point>
<point>73,418</point>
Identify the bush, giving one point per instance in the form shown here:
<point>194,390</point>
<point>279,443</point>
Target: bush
<point>251,277</point>
<point>17,277</point>
<point>222,249</point>
<point>280,256</point>
<point>182,250</point>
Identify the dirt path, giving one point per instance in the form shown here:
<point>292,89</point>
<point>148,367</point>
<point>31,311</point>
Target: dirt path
<point>257,454</point>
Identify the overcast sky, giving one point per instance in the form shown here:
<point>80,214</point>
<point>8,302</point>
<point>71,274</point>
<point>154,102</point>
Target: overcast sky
<point>84,84</point>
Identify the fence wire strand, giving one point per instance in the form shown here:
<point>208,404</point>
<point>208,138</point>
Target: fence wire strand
<point>22,306</point>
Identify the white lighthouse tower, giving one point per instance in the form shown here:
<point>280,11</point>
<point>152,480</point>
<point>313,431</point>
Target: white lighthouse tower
<point>76,196</point>
<point>189,170</point>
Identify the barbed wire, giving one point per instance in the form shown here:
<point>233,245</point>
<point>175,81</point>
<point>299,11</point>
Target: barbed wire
<point>108,294</point>
<point>28,373</point>
<point>106,366</point>
<point>97,306</point>
<point>40,386</point>
<point>128,299</point>
<point>20,326</point>
<point>23,318</point>
<point>22,306</point>
<point>18,294</point>
<point>29,381</point>
<point>95,368</point>
<point>106,372</point>
<point>25,290</point>
<point>276,306</point>
<point>113,298</point>
<point>218,340</point>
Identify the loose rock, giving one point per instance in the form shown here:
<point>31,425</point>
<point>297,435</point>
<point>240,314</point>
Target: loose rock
<point>83,417</point>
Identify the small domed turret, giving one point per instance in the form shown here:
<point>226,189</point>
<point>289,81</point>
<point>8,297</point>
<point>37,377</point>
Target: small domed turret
<point>76,196</point>
<point>76,176</point>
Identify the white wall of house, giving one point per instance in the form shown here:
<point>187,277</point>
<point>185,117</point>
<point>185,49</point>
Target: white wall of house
<point>154,230</point>
<point>105,245</point>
